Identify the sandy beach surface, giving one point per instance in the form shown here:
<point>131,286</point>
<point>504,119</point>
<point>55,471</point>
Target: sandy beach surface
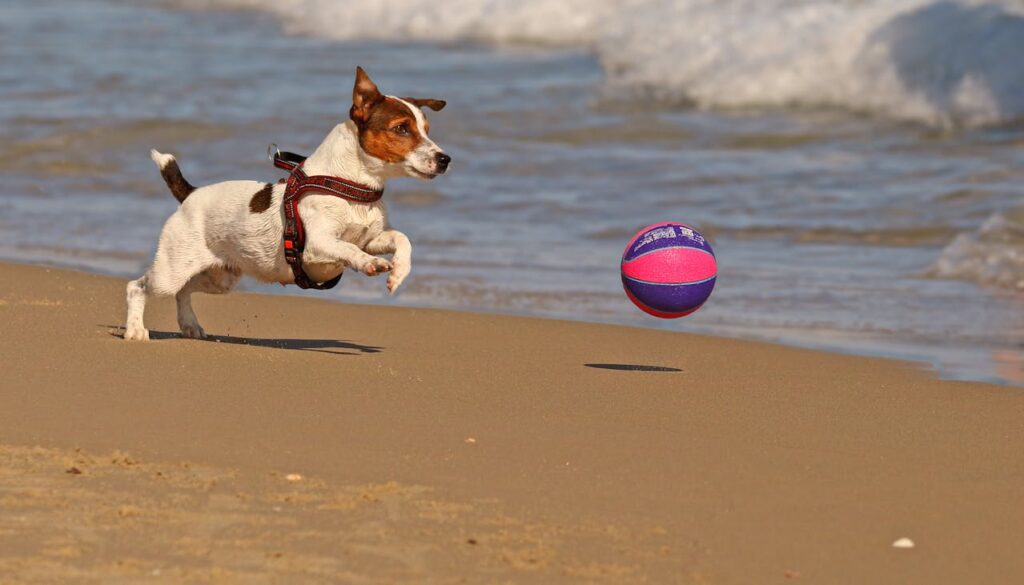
<point>313,441</point>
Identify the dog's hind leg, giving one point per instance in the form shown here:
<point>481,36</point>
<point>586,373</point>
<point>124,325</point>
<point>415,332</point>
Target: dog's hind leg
<point>137,290</point>
<point>214,280</point>
<point>187,321</point>
<point>154,283</point>
<point>180,256</point>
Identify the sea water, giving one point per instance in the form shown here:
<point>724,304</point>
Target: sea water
<point>857,165</point>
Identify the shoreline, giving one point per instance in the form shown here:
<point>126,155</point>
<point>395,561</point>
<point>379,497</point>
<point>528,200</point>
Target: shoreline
<point>1011,374</point>
<point>754,463</point>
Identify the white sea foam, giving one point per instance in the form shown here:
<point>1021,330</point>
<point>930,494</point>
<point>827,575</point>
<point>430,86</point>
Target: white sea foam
<point>993,255</point>
<point>941,62</point>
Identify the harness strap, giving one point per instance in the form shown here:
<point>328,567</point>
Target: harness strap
<point>300,184</point>
<point>288,161</point>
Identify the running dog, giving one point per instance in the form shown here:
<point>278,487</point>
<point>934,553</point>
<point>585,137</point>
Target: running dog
<point>225,230</point>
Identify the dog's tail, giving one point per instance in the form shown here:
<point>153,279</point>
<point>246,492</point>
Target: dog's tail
<point>169,170</point>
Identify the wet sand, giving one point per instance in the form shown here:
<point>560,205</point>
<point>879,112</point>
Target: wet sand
<point>317,441</point>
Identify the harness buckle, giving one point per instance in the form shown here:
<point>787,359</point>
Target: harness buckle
<point>291,256</point>
<point>273,151</point>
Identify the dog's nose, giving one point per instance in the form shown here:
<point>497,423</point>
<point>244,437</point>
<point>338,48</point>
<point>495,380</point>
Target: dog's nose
<point>442,160</point>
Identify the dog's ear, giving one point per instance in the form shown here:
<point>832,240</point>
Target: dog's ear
<point>436,105</point>
<point>364,96</point>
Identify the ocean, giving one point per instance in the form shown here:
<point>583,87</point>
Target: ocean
<point>857,165</point>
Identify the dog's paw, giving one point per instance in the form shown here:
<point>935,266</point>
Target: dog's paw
<point>136,334</point>
<point>192,331</point>
<point>393,284</point>
<point>375,266</point>
<point>397,277</point>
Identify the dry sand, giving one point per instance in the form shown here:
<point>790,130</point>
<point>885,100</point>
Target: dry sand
<point>321,442</point>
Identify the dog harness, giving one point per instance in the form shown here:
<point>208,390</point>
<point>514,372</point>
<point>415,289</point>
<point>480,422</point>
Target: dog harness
<point>299,184</point>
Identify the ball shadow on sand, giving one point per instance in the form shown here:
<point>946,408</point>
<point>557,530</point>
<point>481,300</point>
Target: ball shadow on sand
<point>633,368</point>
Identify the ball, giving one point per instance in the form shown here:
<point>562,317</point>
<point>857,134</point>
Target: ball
<point>668,270</point>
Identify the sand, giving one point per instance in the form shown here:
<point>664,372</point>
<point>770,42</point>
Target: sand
<point>315,441</point>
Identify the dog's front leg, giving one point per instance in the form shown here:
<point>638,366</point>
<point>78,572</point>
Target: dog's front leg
<point>334,251</point>
<point>396,243</point>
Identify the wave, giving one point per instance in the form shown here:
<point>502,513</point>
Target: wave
<point>940,62</point>
<point>992,255</point>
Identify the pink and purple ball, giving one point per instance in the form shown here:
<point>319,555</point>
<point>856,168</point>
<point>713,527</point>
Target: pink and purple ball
<point>668,270</point>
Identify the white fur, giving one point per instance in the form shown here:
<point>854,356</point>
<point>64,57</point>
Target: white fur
<point>214,238</point>
<point>161,160</point>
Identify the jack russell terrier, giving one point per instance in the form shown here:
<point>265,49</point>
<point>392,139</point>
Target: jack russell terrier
<point>306,231</point>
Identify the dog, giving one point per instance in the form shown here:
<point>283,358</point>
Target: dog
<point>225,230</point>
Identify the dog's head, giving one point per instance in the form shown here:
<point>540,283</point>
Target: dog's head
<point>394,130</point>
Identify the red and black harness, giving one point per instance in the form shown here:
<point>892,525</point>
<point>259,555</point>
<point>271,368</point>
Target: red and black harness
<point>299,184</point>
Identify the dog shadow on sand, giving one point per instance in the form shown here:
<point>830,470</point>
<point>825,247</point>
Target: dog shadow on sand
<point>331,346</point>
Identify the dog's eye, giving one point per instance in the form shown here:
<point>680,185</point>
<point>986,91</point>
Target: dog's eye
<point>401,130</point>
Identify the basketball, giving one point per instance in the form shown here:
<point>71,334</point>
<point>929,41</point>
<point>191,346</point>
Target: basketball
<point>668,270</point>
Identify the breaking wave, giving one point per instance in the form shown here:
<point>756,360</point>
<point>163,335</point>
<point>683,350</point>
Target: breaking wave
<point>939,62</point>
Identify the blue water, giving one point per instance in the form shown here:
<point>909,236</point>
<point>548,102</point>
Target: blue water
<point>833,228</point>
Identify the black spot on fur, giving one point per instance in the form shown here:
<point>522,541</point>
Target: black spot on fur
<point>179,187</point>
<point>260,201</point>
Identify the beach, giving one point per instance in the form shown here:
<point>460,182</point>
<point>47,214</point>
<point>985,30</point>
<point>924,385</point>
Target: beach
<point>846,407</point>
<point>317,441</point>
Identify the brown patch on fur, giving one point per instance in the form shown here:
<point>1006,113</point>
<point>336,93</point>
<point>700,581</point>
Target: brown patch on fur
<point>179,187</point>
<point>260,201</point>
<point>387,129</point>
